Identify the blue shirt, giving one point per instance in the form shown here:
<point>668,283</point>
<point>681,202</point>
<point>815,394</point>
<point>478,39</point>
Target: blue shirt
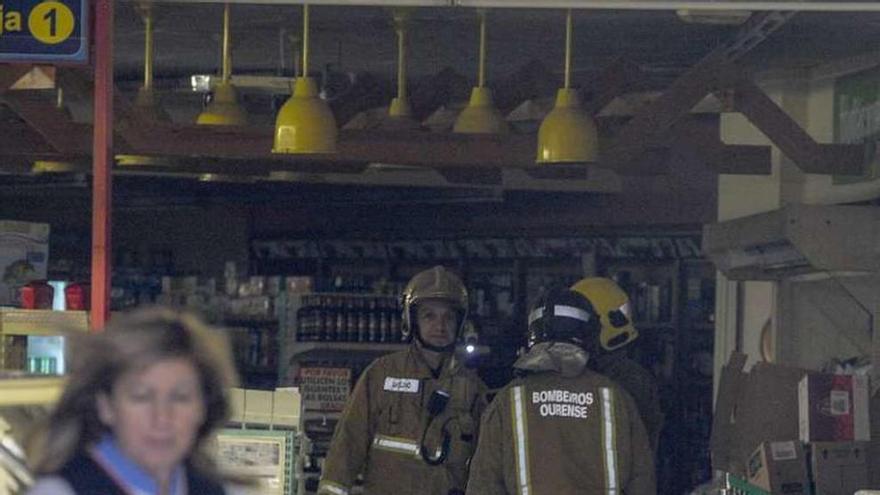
<point>129,474</point>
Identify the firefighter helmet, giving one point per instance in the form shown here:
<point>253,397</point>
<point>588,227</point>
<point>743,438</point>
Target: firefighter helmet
<point>614,309</point>
<point>563,315</point>
<point>433,283</point>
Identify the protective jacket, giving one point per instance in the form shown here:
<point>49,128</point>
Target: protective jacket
<point>386,422</point>
<point>549,433</point>
<point>640,384</point>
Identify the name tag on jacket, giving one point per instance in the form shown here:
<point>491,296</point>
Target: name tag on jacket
<point>405,385</point>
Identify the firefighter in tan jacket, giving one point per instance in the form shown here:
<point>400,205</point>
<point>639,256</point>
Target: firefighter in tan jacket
<point>560,428</point>
<point>617,332</point>
<point>411,423</point>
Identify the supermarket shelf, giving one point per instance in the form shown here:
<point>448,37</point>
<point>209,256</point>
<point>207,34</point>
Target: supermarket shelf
<point>248,321</point>
<point>41,321</point>
<point>343,349</point>
<point>656,325</point>
<point>30,391</point>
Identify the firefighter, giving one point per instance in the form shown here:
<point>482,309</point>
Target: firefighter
<point>411,423</point>
<point>560,427</point>
<point>611,360</point>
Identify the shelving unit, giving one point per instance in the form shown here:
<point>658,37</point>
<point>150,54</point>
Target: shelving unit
<point>41,321</point>
<point>16,325</point>
<point>341,350</point>
<point>30,391</point>
<point>255,346</point>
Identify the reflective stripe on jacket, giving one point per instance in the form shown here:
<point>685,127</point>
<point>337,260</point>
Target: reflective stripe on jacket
<point>545,434</point>
<point>381,428</point>
<point>641,386</point>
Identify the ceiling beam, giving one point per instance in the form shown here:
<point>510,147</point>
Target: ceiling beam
<point>791,139</point>
<point>52,123</point>
<point>19,140</point>
<point>677,101</point>
<point>615,80</point>
<point>698,136</point>
<point>246,149</point>
<point>702,142</point>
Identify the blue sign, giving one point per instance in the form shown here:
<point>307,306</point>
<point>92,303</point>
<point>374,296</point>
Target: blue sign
<point>45,31</point>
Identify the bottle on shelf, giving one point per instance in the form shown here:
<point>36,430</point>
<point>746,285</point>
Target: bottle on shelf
<point>302,316</point>
<point>363,321</point>
<point>373,324</point>
<point>321,319</point>
<point>332,318</point>
<point>384,320</point>
<point>341,319</point>
<point>351,319</point>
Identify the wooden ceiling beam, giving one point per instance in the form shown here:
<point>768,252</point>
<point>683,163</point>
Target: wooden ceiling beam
<point>698,136</point>
<point>615,80</point>
<point>51,122</point>
<point>249,147</point>
<point>677,101</point>
<point>791,138</point>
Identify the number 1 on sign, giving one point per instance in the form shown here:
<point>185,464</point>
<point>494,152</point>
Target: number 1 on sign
<point>51,22</point>
<point>51,16</point>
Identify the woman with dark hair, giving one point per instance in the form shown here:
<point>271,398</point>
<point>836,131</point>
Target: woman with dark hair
<point>142,399</point>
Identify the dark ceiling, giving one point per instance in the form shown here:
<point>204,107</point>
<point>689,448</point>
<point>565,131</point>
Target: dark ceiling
<point>361,39</point>
<point>358,43</point>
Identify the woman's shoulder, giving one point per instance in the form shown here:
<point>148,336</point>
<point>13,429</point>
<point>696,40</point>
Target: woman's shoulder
<point>239,489</point>
<point>51,485</point>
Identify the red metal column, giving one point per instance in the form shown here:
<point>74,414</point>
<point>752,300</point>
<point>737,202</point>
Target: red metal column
<point>102,154</point>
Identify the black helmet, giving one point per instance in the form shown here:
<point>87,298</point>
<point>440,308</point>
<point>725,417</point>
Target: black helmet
<point>563,315</point>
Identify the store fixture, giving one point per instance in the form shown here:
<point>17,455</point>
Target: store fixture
<point>796,240</point>
<point>825,260</point>
<point>567,134</point>
<point>328,339</point>
<point>224,109</point>
<point>480,116</point>
<point>305,124</point>
<point>26,331</point>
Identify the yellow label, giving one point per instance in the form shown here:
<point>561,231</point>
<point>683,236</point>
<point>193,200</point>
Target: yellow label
<point>51,22</point>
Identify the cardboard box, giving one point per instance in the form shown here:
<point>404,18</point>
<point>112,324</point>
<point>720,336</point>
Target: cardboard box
<point>839,468</point>
<point>780,467</point>
<point>24,256</point>
<point>752,408</point>
<point>833,408</point>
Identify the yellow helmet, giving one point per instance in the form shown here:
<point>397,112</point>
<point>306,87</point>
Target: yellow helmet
<point>433,283</point>
<point>613,306</point>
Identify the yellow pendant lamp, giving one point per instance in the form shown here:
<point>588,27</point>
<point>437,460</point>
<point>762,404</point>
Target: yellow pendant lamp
<point>399,108</point>
<point>52,167</point>
<point>224,108</point>
<point>305,124</point>
<point>55,166</point>
<point>480,116</point>
<point>567,134</point>
<point>145,103</point>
